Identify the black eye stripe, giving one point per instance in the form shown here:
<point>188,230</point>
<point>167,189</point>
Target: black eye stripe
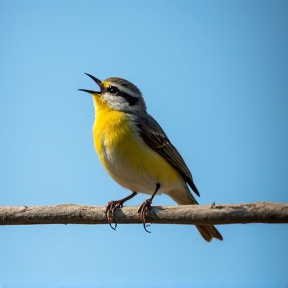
<point>130,99</point>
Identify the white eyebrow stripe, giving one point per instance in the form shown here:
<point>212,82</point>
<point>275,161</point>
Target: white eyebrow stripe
<point>126,90</point>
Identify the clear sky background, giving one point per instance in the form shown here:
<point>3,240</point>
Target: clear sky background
<point>215,76</point>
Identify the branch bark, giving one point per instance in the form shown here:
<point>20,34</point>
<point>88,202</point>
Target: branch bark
<point>260,212</point>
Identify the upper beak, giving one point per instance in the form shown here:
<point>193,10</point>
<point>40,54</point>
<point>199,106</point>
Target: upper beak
<point>98,82</point>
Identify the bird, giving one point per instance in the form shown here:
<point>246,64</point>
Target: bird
<point>136,152</point>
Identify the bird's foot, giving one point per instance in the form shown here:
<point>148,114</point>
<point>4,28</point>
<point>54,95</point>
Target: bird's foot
<point>113,205</point>
<point>110,208</point>
<point>144,210</point>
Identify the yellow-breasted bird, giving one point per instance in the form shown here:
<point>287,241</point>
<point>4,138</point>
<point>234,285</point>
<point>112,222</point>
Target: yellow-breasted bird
<point>135,150</point>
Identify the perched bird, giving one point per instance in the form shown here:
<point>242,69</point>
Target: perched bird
<point>136,152</point>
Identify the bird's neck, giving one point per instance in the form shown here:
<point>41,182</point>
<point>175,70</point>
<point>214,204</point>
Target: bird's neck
<point>100,106</point>
<point>107,117</point>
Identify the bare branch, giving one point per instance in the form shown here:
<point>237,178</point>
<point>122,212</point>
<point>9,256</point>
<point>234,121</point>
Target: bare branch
<point>260,212</point>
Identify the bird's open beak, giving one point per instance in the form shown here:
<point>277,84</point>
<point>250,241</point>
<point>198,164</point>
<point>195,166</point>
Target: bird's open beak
<point>98,82</point>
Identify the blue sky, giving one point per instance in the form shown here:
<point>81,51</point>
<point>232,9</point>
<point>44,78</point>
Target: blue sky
<point>215,76</point>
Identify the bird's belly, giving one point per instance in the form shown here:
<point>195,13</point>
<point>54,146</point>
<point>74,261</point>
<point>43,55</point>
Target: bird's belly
<point>131,162</point>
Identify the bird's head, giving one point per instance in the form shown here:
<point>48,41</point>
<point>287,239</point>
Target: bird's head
<point>119,94</point>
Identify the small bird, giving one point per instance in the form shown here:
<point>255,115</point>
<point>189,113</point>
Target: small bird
<point>136,152</point>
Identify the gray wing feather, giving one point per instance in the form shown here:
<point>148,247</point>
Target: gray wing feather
<point>154,136</point>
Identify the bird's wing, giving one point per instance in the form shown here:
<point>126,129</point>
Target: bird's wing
<point>154,136</point>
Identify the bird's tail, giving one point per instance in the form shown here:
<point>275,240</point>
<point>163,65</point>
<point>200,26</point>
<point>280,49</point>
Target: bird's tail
<point>184,197</point>
<point>208,232</point>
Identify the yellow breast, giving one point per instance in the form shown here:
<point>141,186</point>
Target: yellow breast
<point>126,157</point>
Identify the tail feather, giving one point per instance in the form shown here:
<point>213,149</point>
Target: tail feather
<point>208,232</point>
<point>184,197</point>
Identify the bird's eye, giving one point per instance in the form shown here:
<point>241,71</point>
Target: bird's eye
<point>113,90</point>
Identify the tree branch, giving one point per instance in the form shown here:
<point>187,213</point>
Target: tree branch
<point>260,212</point>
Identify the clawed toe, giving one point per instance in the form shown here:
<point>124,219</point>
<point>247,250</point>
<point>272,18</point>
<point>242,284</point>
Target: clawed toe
<point>110,208</point>
<point>143,210</point>
<point>113,205</point>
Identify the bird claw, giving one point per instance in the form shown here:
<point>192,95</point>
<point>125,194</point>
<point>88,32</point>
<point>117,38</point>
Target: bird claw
<point>114,228</point>
<point>144,210</point>
<point>110,208</point>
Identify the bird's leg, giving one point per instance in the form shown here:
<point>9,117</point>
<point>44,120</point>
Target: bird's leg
<point>113,205</point>
<point>146,206</point>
